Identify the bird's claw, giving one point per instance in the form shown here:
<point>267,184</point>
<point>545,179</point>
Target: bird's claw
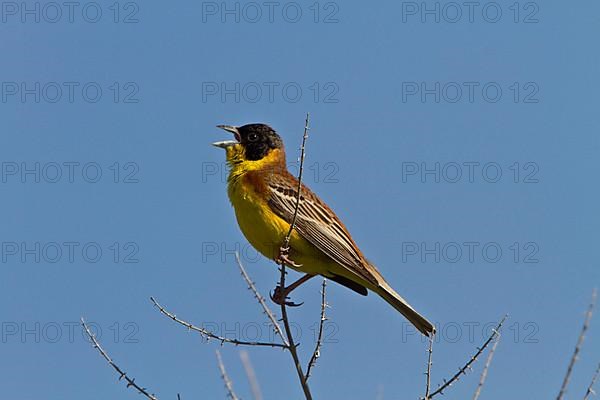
<point>284,258</point>
<point>280,297</point>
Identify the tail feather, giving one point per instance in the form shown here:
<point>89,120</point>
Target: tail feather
<point>396,301</point>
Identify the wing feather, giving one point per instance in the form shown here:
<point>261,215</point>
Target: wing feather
<point>318,224</point>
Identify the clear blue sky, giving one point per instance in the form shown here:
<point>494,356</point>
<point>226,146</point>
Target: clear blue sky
<point>391,97</point>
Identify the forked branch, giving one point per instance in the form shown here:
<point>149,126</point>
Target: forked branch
<point>261,300</point>
<point>210,335</point>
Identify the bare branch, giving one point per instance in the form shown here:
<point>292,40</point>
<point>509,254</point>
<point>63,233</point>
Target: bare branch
<point>590,389</point>
<point>463,370</point>
<point>286,241</point>
<point>261,300</point>
<point>122,375</point>
<point>292,346</point>
<point>380,392</point>
<point>251,375</point>
<point>586,325</point>
<point>228,384</point>
<point>486,368</point>
<point>284,248</point>
<point>208,334</point>
<point>429,363</point>
<point>317,353</point>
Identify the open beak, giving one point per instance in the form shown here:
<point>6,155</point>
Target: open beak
<point>226,143</point>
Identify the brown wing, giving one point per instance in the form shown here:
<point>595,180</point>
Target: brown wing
<point>317,223</point>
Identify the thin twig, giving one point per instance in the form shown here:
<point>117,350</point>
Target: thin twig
<point>317,353</point>
<point>429,363</point>
<point>590,389</point>
<point>251,375</point>
<point>292,346</point>
<point>210,335</point>
<point>586,325</point>
<point>380,392</point>
<point>486,368</point>
<point>261,300</point>
<point>286,241</point>
<point>463,370</point>
<point>228,384</point>
<point>285,247</point>
<point>122,375</point>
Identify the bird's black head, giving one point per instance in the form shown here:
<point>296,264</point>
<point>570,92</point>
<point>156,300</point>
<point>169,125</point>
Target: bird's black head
<point>257,139</point>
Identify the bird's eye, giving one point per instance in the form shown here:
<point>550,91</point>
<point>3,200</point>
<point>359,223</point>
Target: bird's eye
<point>252,137</point>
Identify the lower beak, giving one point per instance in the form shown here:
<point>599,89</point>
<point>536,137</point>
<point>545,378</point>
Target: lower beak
<point>226,143</point>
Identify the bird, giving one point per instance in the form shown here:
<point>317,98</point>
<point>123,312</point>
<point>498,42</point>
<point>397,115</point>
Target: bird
<point>264,196</point>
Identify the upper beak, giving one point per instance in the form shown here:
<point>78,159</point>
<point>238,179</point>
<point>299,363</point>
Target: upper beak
<point>226,143</point>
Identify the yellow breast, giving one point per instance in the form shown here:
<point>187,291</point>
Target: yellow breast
<point>266,231</point>
<point>263,229</point>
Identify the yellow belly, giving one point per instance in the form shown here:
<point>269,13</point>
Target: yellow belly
<point>266,231</point>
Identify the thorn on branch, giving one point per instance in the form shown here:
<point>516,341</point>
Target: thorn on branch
<point>228,384</point>
<point>122,374</point>
<point>208,334</point>
<point>261,300</point>
<point>586,325</point>
<point>286,244</point>
<point>590,389</point>
<point>467,366</point>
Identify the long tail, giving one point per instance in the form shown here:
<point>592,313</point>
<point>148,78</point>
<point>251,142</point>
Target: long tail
<point>388,294</point>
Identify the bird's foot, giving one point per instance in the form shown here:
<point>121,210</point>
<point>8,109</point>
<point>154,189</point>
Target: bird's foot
<point>280,296</point>
<point>284,258</point>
